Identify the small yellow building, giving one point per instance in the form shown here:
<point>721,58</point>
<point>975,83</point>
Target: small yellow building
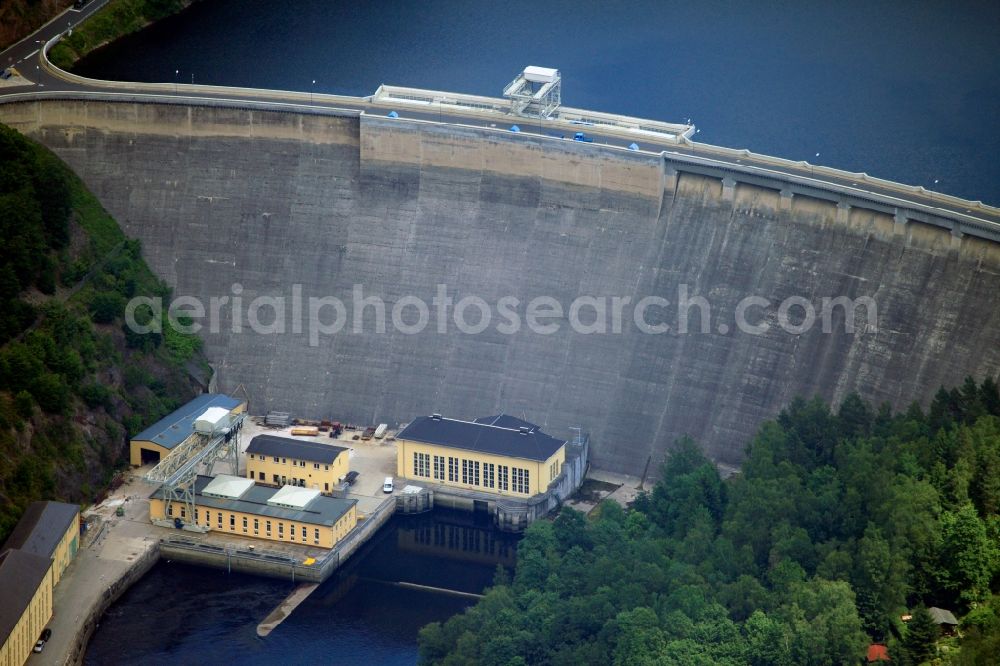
<point>26,585</point>
<point>159,439</point>
<point>280,461</point>
<point>239,506</point>
<point>502,455</point>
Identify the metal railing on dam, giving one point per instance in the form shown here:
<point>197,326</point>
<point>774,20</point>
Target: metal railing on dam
<point>175,100</point>
<point>903,209</point>
<point>671,141</point>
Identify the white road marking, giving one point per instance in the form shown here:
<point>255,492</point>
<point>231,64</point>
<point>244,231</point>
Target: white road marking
<point>31,54</point>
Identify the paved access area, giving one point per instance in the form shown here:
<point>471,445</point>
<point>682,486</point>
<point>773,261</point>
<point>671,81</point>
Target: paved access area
<point>373,459</point>
<point>112,548</point>
<point>600,485</point>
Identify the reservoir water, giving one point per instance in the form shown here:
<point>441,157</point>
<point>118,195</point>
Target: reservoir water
<point>903,90</point>
<point>181,614</point>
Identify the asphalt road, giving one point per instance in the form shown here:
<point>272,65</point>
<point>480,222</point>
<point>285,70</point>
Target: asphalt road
<point>26,57</point>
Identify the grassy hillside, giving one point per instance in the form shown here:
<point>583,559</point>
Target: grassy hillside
<point>838,524</point>
<point>117,18</point>
<point>73,380</point>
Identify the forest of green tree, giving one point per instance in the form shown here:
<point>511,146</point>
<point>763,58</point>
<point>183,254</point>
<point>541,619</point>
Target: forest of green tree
<point>73,379</point>
<point>838,524</point>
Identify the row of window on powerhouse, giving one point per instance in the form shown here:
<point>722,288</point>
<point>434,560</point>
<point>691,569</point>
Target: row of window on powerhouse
<point>494,476</point>
<point>246,524</point>
<point>284,481</point>
<point>284,461</point>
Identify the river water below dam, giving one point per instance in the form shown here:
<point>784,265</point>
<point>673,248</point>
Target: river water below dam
<point>182,614</point>
<point>901,90</point>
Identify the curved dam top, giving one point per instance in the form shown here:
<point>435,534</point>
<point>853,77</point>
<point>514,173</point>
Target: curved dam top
<point>241,203</point>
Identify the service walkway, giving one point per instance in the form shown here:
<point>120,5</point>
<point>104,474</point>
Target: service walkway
<point>115,552</point>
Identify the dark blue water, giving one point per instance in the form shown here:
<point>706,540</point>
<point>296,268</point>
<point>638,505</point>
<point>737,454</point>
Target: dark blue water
<point>906,90</point>
<point>180,614</point>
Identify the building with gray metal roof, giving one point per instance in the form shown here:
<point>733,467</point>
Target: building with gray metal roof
<point>42,527</point>
<point>506,421</point>
<point>24,588</point>
<point>163,436</point>
<point>270,445</point>
<point>523,441</point>
<point>257,500</point>
<point>176,426</point>
<point>942,616</point>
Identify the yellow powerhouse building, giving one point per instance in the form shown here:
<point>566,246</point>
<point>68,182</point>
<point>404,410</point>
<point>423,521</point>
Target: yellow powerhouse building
<point>239,506</point>
<point>496,454</point>
<point>26,582</point>
<point>280,461</point>
<point>159,439</point>
<point>32,561</point>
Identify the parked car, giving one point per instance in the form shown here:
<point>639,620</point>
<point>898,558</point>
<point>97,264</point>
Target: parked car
<point>43,639</point>
<point>387,486</point>
<point>351,478</point>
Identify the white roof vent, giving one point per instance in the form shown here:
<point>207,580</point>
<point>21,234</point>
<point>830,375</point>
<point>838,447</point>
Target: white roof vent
<point>293,497</point>
<point>227,486</point>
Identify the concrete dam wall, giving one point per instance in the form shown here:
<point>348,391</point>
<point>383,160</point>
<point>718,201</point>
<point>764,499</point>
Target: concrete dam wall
<point>268,200</point>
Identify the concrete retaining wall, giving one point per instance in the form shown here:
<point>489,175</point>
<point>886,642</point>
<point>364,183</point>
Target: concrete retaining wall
<point>516,516</point>
<point>274,564</point>
<point>411,503</point>
<point>115,589</point>
<point>243,563</point>
<point>266,200</point>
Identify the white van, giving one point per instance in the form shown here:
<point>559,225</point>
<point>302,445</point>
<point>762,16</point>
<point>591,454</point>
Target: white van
<point>387,486</point>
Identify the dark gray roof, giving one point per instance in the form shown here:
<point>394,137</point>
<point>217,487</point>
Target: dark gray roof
<point>506,421</point>
<point>321,511</point>
<point>41,527</point>
<point>20,574</point>
<point>942,616</point>
<point>271,445</point>
<point>474,436</point>
<point>176,426</point>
